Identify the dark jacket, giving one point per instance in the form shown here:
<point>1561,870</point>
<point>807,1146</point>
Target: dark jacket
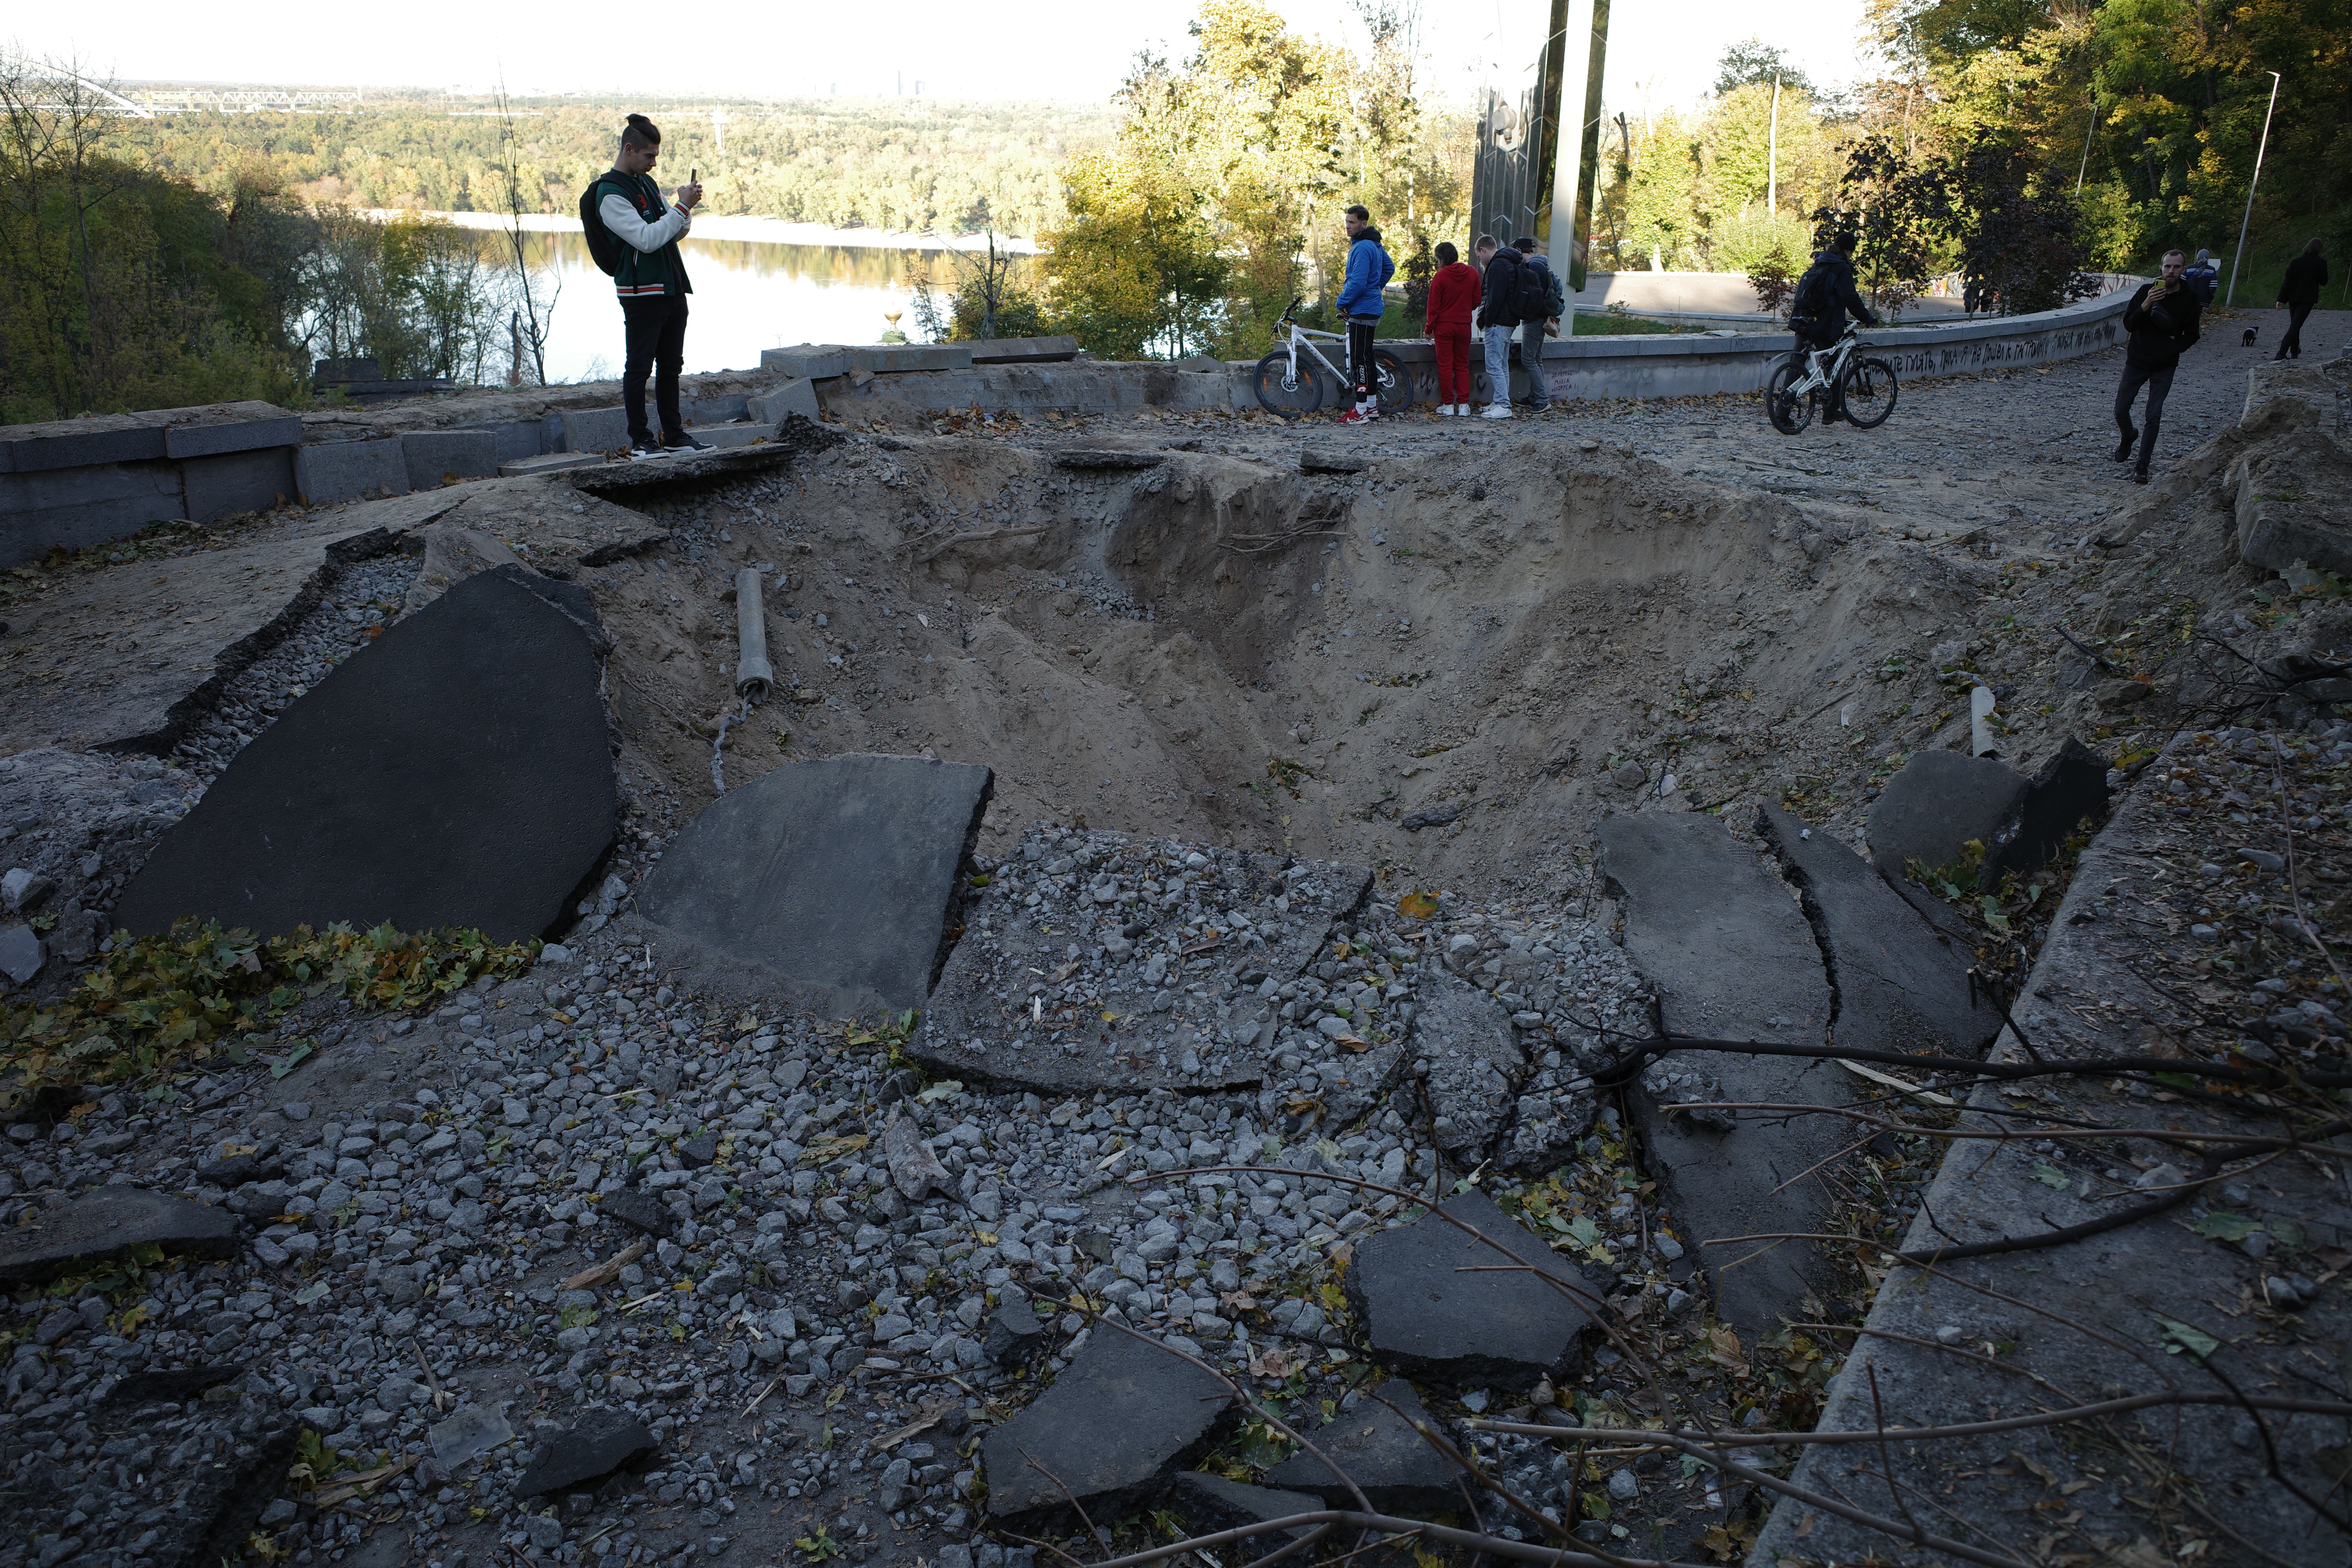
<point>1845,299</point>
<point>642,274</point>
<point>1502,288</point>
<point>2305,276</point>
<point>2162,325</point>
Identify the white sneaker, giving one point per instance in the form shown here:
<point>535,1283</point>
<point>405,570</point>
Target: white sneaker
<point>1496,411</point>
<point>1446,410</point>
<point>1463,409</point>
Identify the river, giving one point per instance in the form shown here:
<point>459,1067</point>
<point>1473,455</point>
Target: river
<point>749,295</point>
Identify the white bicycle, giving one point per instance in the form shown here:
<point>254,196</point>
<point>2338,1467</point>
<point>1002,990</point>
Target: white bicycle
<point>1802,378</point>
<point>1288,384</point>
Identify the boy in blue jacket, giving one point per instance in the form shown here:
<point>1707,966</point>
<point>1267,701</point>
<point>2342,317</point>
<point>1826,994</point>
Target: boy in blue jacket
<point>1368,272</point>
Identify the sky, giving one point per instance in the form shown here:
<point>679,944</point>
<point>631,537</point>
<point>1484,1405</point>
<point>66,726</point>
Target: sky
<point>1076,49</point>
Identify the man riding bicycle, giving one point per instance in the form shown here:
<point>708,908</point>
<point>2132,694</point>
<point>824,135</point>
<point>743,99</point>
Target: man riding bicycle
<point>1825,296</point>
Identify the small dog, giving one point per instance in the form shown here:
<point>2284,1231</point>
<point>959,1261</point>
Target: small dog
<point>2248,340</point>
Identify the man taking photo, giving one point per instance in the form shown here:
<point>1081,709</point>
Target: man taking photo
<point>2162,321</point>
<point>650,277</point>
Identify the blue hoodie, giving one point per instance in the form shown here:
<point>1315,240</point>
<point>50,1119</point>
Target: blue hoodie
<point>1368,272</point>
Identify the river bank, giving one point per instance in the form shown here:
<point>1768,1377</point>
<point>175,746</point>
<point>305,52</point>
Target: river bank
<point>760,230</point>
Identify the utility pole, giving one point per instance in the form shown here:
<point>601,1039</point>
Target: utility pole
<point>2260,149</point>
<point>1772,155</point>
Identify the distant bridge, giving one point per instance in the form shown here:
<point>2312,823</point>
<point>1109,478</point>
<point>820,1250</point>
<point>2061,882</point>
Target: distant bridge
<point>241,100</point>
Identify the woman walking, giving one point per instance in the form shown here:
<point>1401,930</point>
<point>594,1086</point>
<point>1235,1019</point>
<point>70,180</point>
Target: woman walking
<point>1452,296</point>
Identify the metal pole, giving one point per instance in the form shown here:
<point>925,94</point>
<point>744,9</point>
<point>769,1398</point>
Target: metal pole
<point>2262,148</point>
<point>1772,155</point>
<point>2088,131</point>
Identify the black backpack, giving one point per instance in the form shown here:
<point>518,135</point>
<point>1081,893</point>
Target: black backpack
<point>1530,293</point>
<point>1812,302</point>
<point>1555,295</point>
<point>602,249</point>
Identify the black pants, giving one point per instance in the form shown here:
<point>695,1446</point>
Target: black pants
<point>1360,356</point>
<point>656,337</point>
<point>2158,382</point>
<point>1833,401</point>
<point>2293,343</point>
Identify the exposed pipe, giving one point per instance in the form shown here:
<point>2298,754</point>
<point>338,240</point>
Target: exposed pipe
<point>753,674</point>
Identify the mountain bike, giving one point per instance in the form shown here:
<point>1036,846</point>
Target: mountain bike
<point>1800,380</point>
<point>1289,385</point>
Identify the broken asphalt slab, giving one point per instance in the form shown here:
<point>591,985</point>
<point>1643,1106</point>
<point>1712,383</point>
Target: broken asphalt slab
<point>2070,787</point>
<point>1938,803</point>
<point>990,1023</point>
<point>1376,1444</point>
<point>831,882</point>
<point>600,1442</point>
<point>1123,1418</point>
<point>1726,949</point>
<point>105,1226</point>
<point>1208,1503</point>
<point>133,656</point>
<point>1901,984</point>
<point>456,773</point>
<point>1438,1302</point>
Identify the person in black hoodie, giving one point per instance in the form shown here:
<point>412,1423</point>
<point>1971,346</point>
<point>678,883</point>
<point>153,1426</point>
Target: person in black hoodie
<point>2307,274</point>
<point>2162,322</point>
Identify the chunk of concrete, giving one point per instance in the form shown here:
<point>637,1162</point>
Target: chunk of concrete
<point>21,952</point>
<point>794,396</point>
<point>835,879</point>
<point>329,472</point>
<point>456,773</point>
<point>1208,1503</point>
<point>915,1169</point>
<point>1938,803</point>
<point>246,432</point>
<point>104,1225</point>
<point>813,361</point>
<point>639,1211</point>
<point>1217,1037</point>
<point>1024,350</point>
<point>597,429</point>
<point>601,1441</point>
<point>1475,1065</point>
<point>1376,1443</point>
<point>887,358</point>
<point>2070,787</point>
<point>548,463</point>
<point>471,1433</point>
<point>83,443</point>
<point>435,457</point>
<point>2295,502</point>
<point>84,506</point>
<point>1902,986</point>
<point>238,482</point>
<point>451,553</point>
<point>1122,1419</point>
<point>1437,1302</point>
<point>1014,1335</point>
<point>1728,951</point>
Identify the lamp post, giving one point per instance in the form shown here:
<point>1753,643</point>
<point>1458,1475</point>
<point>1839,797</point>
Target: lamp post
<point>1772,155</point>
<point>2260,149</point>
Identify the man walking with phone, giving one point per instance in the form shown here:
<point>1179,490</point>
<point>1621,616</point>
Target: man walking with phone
<point>2162,321</point>
<point>650,277</point>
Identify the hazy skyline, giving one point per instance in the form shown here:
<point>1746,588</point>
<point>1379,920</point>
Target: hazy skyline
<point>1052,48</point>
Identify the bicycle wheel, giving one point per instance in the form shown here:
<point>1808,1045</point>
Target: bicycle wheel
<point>1290,391</point>
<point>1395,382</point>
<point>1869,394</point>
<point>1789,412</point>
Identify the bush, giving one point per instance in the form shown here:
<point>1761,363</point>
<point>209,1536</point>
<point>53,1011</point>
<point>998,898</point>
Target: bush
<point>1744,241</point>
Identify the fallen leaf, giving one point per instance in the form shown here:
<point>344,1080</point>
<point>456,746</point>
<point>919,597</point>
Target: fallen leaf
<point>2178,1337</point>
<point>1353,1043</point>
<point>1279,1362</point>
<point>1417,905</point>
<point>2050,1175</point>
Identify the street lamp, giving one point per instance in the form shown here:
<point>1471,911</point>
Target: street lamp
<point>2260,149</point>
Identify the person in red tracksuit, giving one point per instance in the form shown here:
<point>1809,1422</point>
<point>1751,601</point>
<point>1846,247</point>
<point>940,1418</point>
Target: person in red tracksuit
<point>1453,294</point>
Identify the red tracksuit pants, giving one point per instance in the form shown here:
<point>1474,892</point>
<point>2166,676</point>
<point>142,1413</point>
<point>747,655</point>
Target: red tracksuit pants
<point>1453,364</point>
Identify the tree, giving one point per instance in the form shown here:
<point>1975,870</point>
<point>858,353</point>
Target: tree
<point>1135,271</point>
<point>1752,62</point>
<point>535,289</point>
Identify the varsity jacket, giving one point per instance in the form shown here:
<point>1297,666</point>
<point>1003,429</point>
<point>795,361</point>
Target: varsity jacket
<point>632,208</point>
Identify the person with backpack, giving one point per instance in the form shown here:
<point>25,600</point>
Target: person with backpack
<point>1361,302</point>
<point>1535,329</point>
<point>1825,296</point>
<point>1452,297</point>
<point>2162,320</point>
<point>1508,283</point>
<point>2307,274</point>
<point>2204,278</point>
<point>633,235</point>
